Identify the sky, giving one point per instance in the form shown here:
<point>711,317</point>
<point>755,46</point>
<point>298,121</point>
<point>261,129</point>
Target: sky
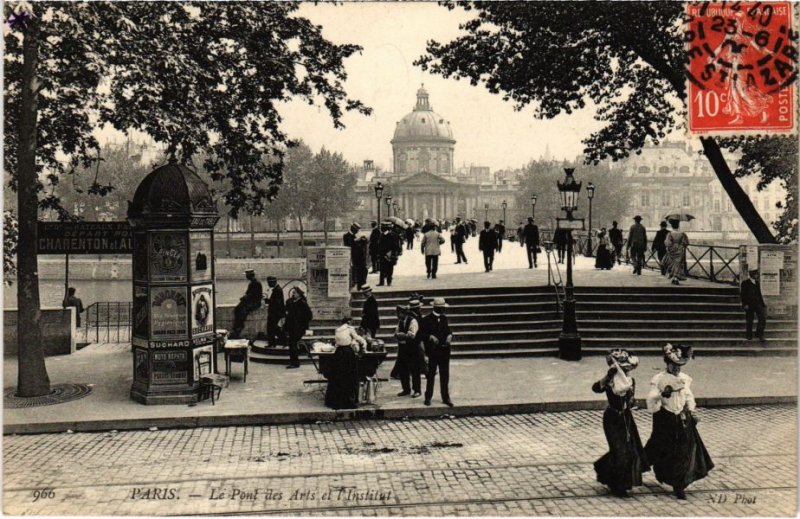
<point>487,129</point>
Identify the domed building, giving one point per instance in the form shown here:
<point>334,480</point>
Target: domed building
<point>423,141</point>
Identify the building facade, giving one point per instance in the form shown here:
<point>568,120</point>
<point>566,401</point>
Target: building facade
<point>675,177</point>
<point>424,182</point>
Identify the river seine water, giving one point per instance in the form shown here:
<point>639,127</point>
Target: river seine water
<point>51,293</point>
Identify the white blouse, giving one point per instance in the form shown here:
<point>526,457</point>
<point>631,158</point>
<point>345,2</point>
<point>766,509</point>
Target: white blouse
<point>681,393</point>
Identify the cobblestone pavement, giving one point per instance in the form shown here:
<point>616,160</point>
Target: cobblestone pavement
<point>534,464</point>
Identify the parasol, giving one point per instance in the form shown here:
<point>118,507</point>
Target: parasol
<point>681,216</point>
<point>410,221</point>
<point>397,221</point>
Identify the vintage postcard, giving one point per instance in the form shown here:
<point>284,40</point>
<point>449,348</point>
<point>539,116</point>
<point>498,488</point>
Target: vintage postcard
<point>400,258</point>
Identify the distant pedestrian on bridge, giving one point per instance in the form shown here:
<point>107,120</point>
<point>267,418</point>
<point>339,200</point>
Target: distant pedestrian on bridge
<point>74,301</point>
<point>500,229</point>
<point>675,448</point>
<point>660,246</point>
<point>370,316</point>
<point>637,244</point>
<point>249,302</point>
<point>531,236</point>
<point>622,466</point>
<point>753,305</point>
<point>358,256</point>
<point>560,240</point>
<point>488,243</point>
<point>411,233</point>
<point>603,260</point>
<point>615,237</point>
<point>676,243</point>
<point>431,244</point>
<point>460,234</point>
<point>389,249</point>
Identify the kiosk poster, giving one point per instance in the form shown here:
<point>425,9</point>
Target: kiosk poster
<point>168,256</point>
<point>338,283</point>
<point>170,367</point>
<point>168,309</point>
<point>771,265</point>
<point>202,310</point>
<point>201,257</point>
<point>141,324</point>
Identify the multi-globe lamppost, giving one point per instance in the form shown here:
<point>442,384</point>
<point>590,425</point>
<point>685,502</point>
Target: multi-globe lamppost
<point>533,206</point>
<point>504,205</point>
<point>590,193</point>
<point>486,212</point>
<point>388,200</point>
<point>379,195</point>
<point>394,208</point>
<point>569,342</point>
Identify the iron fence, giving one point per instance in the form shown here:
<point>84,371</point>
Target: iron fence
<point>107,322</point>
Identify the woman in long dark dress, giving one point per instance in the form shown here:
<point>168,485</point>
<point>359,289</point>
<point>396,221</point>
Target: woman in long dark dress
<point>604,261</point>
<point>343,381</point>
<point>675,448</point>
<point>622,466</point>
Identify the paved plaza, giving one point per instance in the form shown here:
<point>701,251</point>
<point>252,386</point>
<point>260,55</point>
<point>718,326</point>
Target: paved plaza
<point>529,464</point>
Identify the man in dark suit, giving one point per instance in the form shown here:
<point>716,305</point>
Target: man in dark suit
<point>660,246</point>
<point>276,312</point>
<point>358,256</point>
<point>298,319</point>
<point>374,238</point>
<point>500,229</point>
<point>459,237</point>
<point>437,337</point>
<point>389,249</point>
<point>615,237</point>
<point>349,238</point>
<point>249,302</point>
<point>370,317</point>
<point>487,243</point>
<point>753,304</point>
<point>637,244</point>
<point>531,236</point>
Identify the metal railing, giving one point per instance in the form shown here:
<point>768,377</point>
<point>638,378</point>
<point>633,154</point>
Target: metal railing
<point>107,322</point>
<point>716,263</point>
<point>558,284</point>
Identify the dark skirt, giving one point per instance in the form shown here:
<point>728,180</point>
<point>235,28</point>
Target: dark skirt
<point>604,259</point>
<point>622,466</point>
<point>676,450</point>
<point>342,392</point>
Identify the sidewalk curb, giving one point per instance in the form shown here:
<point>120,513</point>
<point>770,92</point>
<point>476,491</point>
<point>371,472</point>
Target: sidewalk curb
<point>372,413</point>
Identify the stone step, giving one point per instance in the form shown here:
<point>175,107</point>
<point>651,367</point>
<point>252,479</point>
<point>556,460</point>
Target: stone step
<point>445,292</point>
<point>549,296</point>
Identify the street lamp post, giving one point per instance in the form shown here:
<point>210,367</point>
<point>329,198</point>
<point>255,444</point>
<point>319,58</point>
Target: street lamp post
<point>486,212</point>
<point>504,205</point>
<point>388,200</point>
<point>394,208</point>
<point>590,192</point>
<point>533,206</point>
<point>569,342</point>
<point>379,195</point>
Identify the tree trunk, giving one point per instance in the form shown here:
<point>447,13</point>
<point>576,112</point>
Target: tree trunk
<point>325,228</point>
<point>278,242</point>
<point>228,234</point>
<point>302,236</point>
<point>737,195</point>
<point>32,379</point>
<point>252,239</point>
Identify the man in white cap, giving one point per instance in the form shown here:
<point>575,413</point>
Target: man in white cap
<point>437,336</point>
<point>249,302</point>
<point>409,355</point>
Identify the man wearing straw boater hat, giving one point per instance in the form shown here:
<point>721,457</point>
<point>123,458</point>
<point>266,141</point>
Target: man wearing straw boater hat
<point>437,338</point>
<point>409,355</point>
<point>249,302</point>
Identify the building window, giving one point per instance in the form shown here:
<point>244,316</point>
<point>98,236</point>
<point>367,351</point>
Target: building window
<point>644,170</point>
<point>716,206</point>
<point>687,199</point>
<point>645,199</point>
<point>663,170</point>
<point>685,170</point>
<point>664,199</point>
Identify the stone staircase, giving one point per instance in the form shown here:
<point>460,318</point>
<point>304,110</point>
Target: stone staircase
<point>523,321</point>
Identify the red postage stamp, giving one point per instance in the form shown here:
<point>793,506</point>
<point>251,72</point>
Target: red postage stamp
<point>742,67</point>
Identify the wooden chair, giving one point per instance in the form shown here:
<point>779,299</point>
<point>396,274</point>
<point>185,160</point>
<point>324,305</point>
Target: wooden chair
<point>210,382</point>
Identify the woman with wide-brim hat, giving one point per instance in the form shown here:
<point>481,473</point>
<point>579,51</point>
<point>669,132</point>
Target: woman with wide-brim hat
<point>622,466</point>
<point>675,448</point>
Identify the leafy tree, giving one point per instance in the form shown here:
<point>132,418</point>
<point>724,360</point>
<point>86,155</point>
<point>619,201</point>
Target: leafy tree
<point>612,197</point>
<point>331,185</point>
<point>775,160</point>
<point>194,76</point>
<point>628,58</point>
<point>294,198</point>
